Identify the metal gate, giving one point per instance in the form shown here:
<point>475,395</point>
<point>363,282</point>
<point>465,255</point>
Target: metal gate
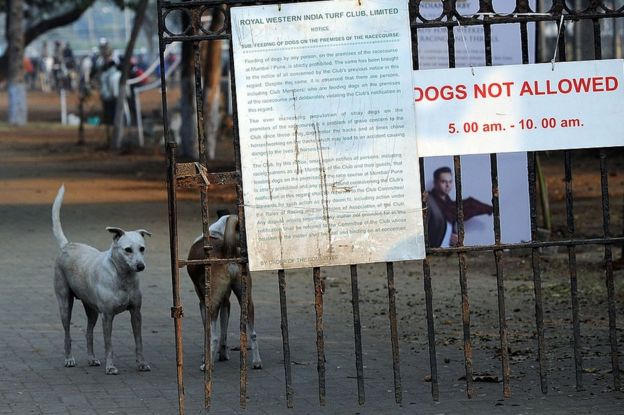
<point>198,176</point>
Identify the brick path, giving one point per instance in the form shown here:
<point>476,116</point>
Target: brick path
<point>33,379</point>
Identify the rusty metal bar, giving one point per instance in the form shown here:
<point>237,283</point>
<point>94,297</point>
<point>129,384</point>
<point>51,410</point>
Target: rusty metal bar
<point>394,334</point>
<point>357,332</point>
<point>433,364</point>
<point>194,38</point>
<point>531,159</point>
<point>451,46</point>
<point>203,160</point>
<point>285,340</point>
<point>194,175</point>
<point>608,255</point>
<point>460,234</point>
<point>537,276</point>
<point>320,341</point>
<point>576,326</point>
<point>246,276</point>
<point>237,153</point>
<point>498,253</point>
<point>433,361</point>
<point>244,319</point>
<point>207,338</point>
<point>524,245</point>
<point>606,221</point>
<point>470,20</point>
<point>210,261</point>
<point>463,280</point>
<point>500,285</point>
<point>176,311</point>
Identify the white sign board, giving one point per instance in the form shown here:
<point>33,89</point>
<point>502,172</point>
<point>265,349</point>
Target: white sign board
<point>469,40</point>
<point>519,108</point>
<point>327,130</point>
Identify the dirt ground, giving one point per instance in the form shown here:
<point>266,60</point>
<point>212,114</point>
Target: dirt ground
<point>34,160</point>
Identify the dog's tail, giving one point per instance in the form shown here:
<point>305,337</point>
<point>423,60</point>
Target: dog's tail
<point>230,237</point>
<point>56,218</point>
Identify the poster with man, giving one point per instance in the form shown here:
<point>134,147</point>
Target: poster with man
<point>476,176</point>
<point>477,200</point>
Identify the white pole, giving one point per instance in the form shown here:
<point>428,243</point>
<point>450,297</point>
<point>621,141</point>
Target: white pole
<point>63,107</point>
<point>139,119</point>
<point>127,23</point>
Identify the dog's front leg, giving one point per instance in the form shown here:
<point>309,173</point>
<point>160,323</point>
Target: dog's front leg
<point>135,319</point>
<point>92,317</point>
<point>107,325</point>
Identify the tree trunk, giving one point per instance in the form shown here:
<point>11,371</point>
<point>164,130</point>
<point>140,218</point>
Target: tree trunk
<point>118,125</point>
<point>16,86</point>
<point>149,28</point>
<point>212,87</point>
<point>188,129</point>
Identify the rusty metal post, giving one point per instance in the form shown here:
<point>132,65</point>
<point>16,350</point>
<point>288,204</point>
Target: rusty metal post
<point>320,340</point>
<point>537,276</point>
<point>176,311</point>
<point>244,319</point>
<point>498,253</point>
<point>241,220</point>
<point>394,334</point>
<point>433,363</point>
<point>463,282</point>
<point>203,159</point>
<point>498,257</point>
<point>460,232</point>
<point>576,326</point>
<point>357,333</point>
<point>608,258</point>
<point>285,338</point>
<point>207,337</point>
<point>606,229</point>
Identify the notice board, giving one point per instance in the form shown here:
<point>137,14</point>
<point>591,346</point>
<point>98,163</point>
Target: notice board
<point>326,121</point>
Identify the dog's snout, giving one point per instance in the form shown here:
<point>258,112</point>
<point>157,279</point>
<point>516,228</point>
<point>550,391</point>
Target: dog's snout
<point>140,267</point>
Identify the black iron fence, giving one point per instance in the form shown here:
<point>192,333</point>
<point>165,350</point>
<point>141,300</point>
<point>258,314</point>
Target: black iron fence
<point>562,13</point>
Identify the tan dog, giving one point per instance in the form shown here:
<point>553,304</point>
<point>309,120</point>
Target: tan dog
<point>225,279</point>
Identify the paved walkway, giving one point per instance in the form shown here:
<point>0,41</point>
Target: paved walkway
<point>33,379</point>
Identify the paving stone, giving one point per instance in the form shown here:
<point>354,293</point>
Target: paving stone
<point>34,380</point>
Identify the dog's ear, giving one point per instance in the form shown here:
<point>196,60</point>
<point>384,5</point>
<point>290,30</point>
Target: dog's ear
<point>118,232</point>
<point>143,232</point>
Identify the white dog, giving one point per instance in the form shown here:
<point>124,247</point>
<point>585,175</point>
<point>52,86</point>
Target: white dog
<point>106,282</point>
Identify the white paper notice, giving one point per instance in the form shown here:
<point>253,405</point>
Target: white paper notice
<point>327,130</point>
<point>469,40</point>
<point>520,108</point>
